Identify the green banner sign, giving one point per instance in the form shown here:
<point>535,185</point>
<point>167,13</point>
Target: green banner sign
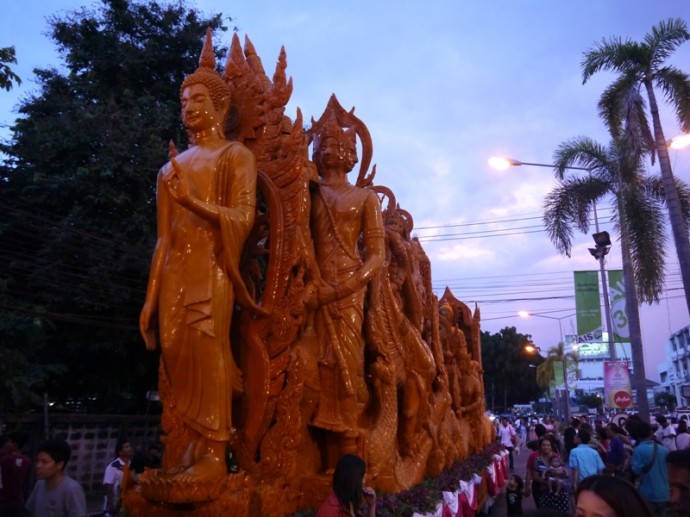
<point>587,306</point>
<point>619,315</point>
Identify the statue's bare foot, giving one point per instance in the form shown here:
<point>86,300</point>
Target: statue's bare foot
<point>208,468</point>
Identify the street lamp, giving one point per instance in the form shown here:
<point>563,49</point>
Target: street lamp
<point>501,163</point>
<point>531,348</point>
<point>527,314</point>
<point>679,141</point>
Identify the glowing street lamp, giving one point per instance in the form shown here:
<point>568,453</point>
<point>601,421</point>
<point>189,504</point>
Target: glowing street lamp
<point>680,141</point>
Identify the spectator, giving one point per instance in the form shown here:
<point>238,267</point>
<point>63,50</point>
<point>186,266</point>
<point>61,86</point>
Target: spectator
<point>13,469</point>
<point>514,489</point>
<point>345,499</point>
<point>112,478</point>
<point>609,496</point>
<point>55,493</point>
<point>616,455</point>
<point>682,435</point>
<point>649,465</point>
<point>679,480</point>
<point>666,434</point>
<point>508,436</point>
<point>584,461</point>
<point>569,436</point>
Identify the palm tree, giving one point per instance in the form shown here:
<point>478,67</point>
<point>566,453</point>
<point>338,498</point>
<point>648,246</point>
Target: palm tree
<point>556,357</point>
<point>616,172</point>
<point>622,105</point>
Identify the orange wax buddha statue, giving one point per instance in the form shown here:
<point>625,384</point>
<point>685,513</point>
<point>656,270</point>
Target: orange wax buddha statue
<point>341,345</point>
<point>206,205</point>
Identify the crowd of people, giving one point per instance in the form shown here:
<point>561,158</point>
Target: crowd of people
<point>56,494</point>
<point>592,468</point>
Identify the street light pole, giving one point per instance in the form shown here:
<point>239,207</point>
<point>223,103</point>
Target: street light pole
<point>502,163</point>
<point>566,387</point>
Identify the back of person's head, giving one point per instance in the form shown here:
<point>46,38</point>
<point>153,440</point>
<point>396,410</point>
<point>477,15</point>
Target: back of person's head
<point>584,436</point>
<point>602,433</point>
<point>613,427</point>
<point>19,438</point>
<point>539,430</point>
<point>634,426</point>
<point>347,481</point>
<point>682,427</point>
<point>644,430</point>
<point>58,450</point>
<point>620,495</point>
<point>679,458</point>
<point>661,420</point>
<point>575,422</point>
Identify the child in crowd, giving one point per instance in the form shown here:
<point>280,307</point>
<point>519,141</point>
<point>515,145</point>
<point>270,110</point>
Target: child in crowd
<point>514,495</point>
<point>556,475</point>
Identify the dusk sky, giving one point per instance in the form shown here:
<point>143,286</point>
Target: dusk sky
<point>442,86</point>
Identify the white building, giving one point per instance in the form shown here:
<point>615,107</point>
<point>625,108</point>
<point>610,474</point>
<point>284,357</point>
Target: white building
<point>675,371</point>
<point>591,364</point>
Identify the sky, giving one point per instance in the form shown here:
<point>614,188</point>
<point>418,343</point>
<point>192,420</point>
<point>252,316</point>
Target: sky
<point>443,86</point>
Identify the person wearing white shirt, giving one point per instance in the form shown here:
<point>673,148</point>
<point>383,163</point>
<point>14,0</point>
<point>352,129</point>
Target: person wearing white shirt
<point>506,433</point>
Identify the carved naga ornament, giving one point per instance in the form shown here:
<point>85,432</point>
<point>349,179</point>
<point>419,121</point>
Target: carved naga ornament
<point>337,343</point>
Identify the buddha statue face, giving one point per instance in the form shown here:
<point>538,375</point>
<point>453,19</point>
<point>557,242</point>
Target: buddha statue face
<point>205,100</point>
<point>198,110</point>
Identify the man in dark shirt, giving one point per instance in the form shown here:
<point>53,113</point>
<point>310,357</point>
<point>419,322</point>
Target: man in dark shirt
<point>13,469</point>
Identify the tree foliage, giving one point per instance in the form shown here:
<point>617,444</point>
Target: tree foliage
<point>77,195</point>
<point>557,357</point>
<point>665,400</point>
<point>507,372</point>
<point>643,71</point>
<point>7,77</point>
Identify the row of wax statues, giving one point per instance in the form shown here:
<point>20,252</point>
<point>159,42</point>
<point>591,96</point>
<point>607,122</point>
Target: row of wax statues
<point>293,311</point>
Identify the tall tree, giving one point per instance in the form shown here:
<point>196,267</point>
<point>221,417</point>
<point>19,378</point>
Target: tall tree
<point>557,357</point>
<point>508,376</point>
<point>77,222</point>
<point>7,76</point>
<point>616,172</point>
<point>642,68</point>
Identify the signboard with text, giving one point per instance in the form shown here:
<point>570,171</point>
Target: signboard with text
<point>617,389</point>
<point>587,306</point>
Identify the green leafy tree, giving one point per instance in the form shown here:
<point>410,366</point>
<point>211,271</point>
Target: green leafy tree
<point>616,172</point>
<point>7,77</point>
<point>666,401</point>
<point>642,71</point>
<point>590,400</point>
<point>77,193</point>
<point>509,376</point>
<point>556,358</point>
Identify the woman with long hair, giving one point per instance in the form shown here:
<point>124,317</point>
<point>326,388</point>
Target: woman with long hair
<point>610,497</point>
<point>345,500</point>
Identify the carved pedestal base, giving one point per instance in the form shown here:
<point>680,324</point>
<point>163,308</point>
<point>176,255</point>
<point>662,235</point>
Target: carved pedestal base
<point>161,495</point>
